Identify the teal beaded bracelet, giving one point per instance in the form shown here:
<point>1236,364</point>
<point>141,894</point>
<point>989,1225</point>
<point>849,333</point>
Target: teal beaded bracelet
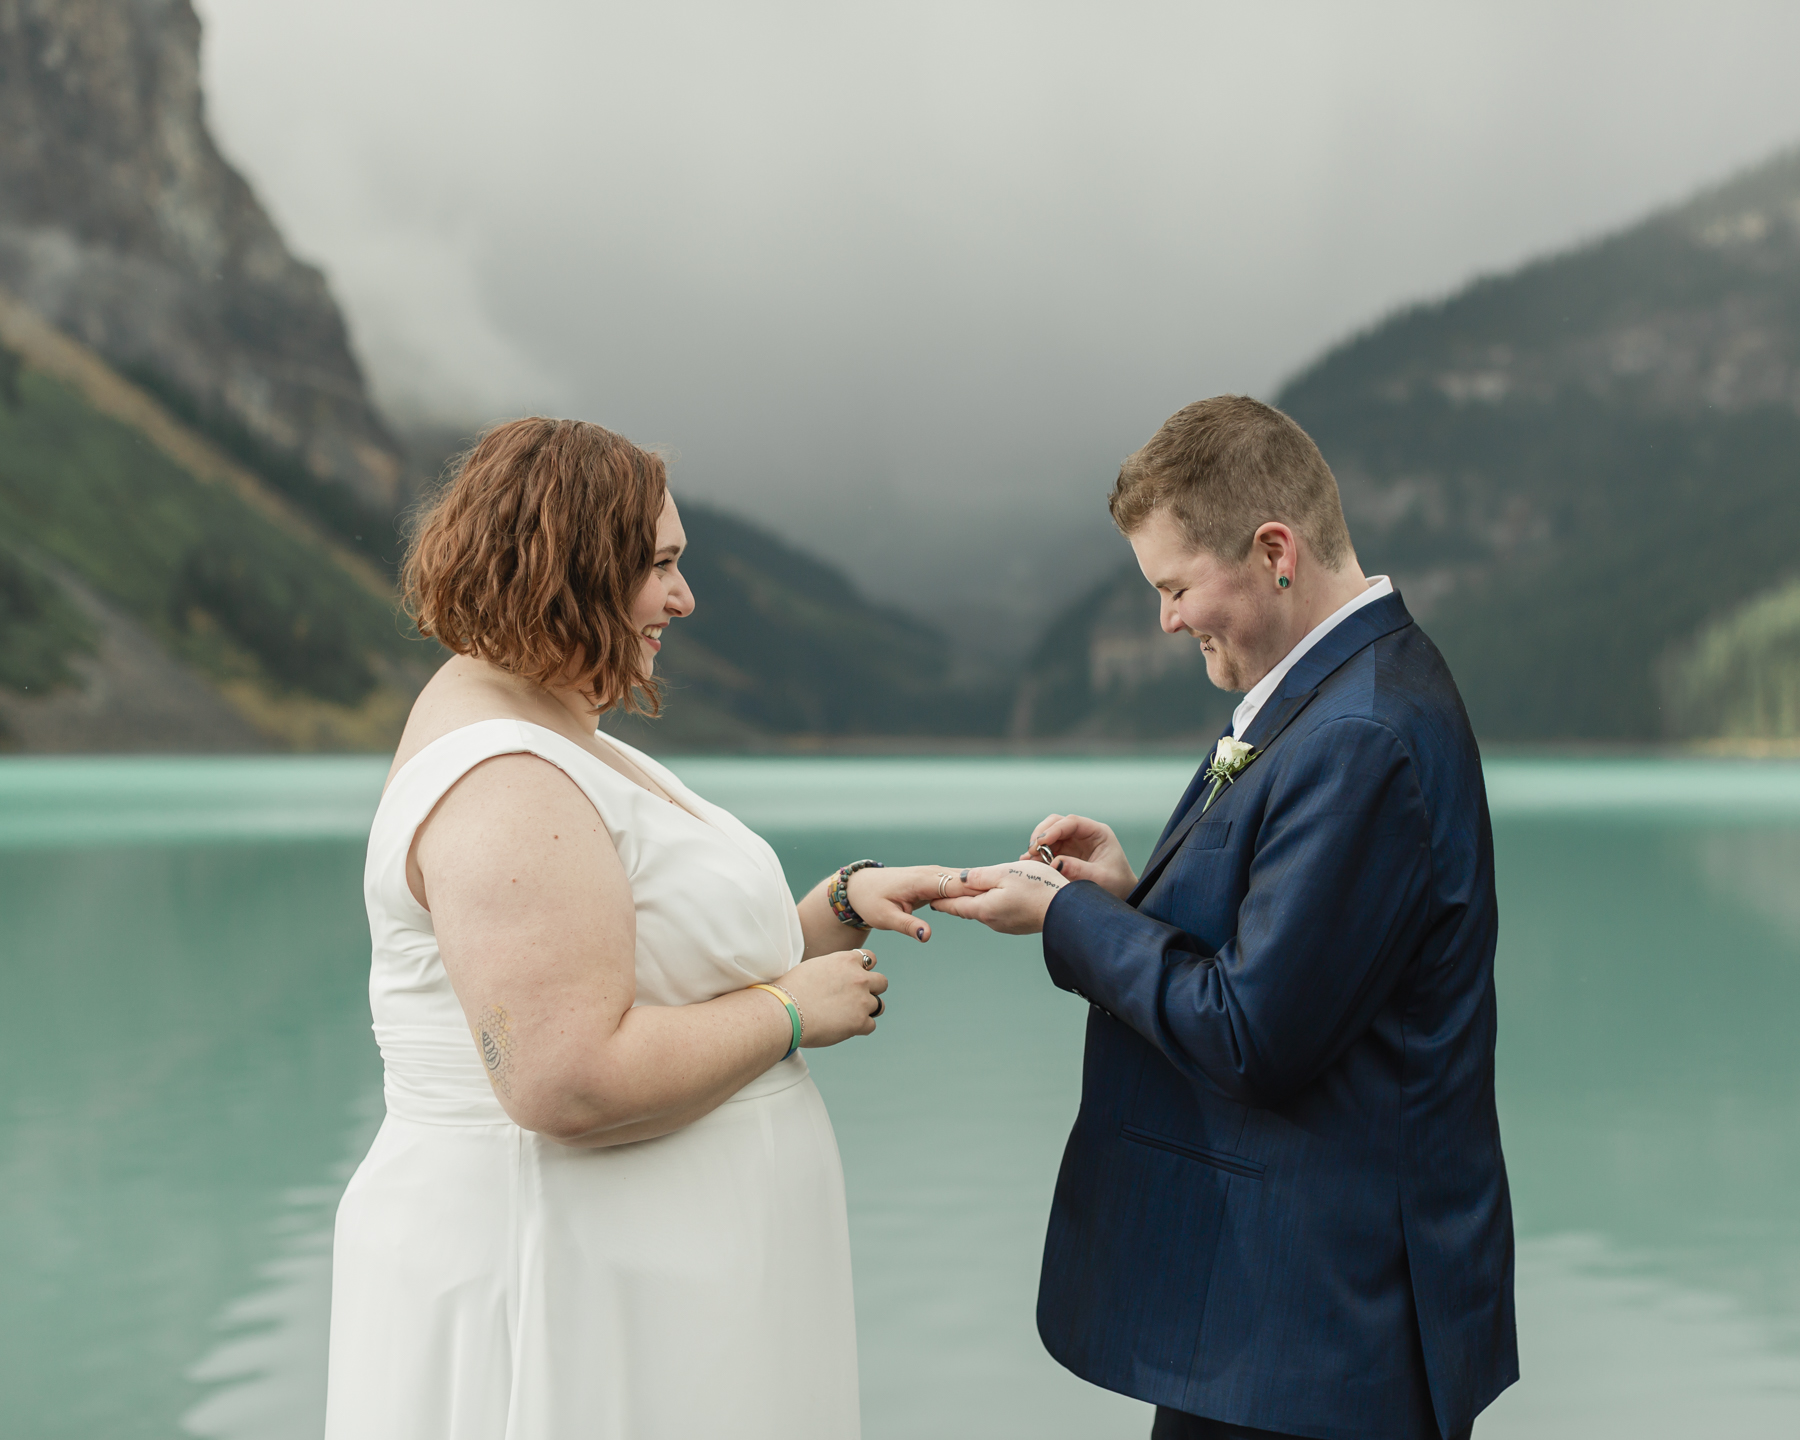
<point>838,896</point>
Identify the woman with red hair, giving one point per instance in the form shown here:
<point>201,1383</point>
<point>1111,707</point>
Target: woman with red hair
<point>606,1201</point>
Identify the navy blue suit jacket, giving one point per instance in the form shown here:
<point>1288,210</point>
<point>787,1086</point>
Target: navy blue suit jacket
<point>1283,1204</point>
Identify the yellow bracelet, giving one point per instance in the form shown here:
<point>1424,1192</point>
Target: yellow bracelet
<point>795,1018</point>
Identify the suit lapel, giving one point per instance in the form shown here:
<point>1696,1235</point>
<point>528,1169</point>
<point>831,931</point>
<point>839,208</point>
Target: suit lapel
<point>1356,634</point>
<point>1262,733</point>
<point>1196,789</point>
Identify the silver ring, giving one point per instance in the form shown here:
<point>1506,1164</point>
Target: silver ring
<point>879,1010</point>
<point>868,958</point>
<point>944,884</point>
<point>1046,854</point>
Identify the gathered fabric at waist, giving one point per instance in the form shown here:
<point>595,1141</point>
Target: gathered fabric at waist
<point>434,1076</point>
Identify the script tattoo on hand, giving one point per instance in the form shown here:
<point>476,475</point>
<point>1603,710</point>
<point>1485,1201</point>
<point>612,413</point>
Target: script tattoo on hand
<point>495,1037</point>
<point>1032,875</point>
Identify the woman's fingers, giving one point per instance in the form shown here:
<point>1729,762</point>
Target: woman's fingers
<point>887,901</point>
<point>877,983</point>
<point>896,916</point>
<point>964,907</point>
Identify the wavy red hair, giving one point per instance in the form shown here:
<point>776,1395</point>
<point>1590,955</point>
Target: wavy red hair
<point>530,557</point>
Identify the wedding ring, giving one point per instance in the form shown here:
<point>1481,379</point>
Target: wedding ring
<point>868,958</point>
<point>1046,854</point>
<point>880,1007</point>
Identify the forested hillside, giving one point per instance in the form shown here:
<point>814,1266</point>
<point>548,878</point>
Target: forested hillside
<point>156,595</point>
<point>1576,473</point>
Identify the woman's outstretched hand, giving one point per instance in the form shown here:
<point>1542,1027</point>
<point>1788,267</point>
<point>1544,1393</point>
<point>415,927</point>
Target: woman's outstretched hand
<point>1084,850</point>
<point>838,996</point>
<point>1010,898</point>
<point>887,897</point>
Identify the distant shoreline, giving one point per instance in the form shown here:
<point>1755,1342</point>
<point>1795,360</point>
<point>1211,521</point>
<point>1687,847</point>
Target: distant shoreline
<point>921,746</point>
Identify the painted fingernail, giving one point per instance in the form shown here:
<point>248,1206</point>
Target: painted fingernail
<point>921,932</point>
<point>965,877</point>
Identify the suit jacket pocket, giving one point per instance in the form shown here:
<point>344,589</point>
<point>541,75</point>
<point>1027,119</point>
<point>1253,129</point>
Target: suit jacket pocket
<point>1218,1159</point>
<point>1207,835</point>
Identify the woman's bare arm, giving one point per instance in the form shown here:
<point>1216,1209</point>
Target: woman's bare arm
<point>537,930</point>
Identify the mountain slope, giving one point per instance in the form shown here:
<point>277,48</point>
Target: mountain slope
<point>1106,671</point>
<point>1572,472</point>
<point>154,595</point>
<point>1573,469</point>
<point>1740,679</point>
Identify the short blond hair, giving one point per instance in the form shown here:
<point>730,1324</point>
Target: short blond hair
<point>1223,468</point>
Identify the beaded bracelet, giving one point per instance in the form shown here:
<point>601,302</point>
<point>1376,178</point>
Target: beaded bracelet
<point>795,1018</point>
<point>839,894</point>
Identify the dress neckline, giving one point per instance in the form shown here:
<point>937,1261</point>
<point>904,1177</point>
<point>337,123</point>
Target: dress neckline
<point>619,746</point>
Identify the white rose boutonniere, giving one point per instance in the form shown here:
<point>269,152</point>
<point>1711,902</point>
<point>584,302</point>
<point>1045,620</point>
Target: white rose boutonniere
<point>1228,763</point>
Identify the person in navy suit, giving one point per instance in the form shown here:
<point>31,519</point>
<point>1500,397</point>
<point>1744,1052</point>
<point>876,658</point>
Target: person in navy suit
<point>1283,1209</point>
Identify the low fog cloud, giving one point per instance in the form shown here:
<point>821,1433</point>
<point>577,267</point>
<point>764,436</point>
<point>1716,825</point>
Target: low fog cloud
<point>905,281</point>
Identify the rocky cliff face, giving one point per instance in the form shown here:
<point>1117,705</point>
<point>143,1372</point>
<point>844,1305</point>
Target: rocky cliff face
<point>122,224</point>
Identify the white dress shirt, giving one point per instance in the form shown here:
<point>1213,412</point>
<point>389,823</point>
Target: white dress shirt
<point>1260,692</point>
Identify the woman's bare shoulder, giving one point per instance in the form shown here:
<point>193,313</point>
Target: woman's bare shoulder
<point>463,692</point>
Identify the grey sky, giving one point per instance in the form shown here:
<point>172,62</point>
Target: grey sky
<point>905,281</point>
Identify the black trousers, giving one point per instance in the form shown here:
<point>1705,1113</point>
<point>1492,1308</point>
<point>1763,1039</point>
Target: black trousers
<point>1179,1425</point>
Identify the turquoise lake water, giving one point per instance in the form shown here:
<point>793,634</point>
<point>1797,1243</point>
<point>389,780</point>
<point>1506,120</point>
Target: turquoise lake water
<point>191,1078</point>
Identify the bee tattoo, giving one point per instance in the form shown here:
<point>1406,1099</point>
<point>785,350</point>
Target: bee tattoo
<point>494,1036</point>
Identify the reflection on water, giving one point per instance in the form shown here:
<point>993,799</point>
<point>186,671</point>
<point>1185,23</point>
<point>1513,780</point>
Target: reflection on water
<point>1650,1076</point>
<point>264,1375</point>
<point>1650,1103</point>
<point>186,1047</point>
<point>193,1076</point>
<point>1610,1346</point>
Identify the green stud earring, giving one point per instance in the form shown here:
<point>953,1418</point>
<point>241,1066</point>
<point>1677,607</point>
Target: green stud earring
<point>1283,582</point>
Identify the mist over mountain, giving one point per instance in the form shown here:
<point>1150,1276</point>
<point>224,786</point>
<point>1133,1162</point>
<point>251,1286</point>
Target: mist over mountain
<point>200,507</point>
<point>902,282</point>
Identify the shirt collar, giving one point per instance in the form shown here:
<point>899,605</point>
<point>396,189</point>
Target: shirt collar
<point>1260,693</point>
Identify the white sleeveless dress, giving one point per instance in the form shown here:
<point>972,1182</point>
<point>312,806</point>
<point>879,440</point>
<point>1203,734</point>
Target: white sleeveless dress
<point>489,1284</point>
